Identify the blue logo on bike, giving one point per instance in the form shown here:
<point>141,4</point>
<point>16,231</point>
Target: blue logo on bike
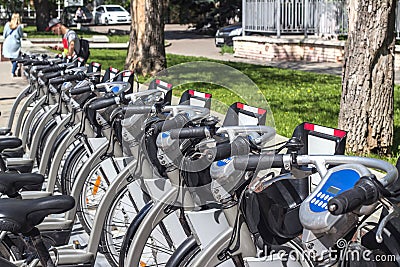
<point>115,89</point>
<point>165,134</point>
<point>223,162</point>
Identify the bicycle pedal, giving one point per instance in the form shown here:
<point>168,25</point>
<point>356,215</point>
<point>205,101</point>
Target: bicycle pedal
<point>78,245</point>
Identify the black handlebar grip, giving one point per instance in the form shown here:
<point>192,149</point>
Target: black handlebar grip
<point>28,62</point>
<point>40,62</point>
<point>75,77</point>
<point>262,162</point>
<point>40,68</point>
<point>364,192</point>
<point>80,90</point>
<point>102,103</point>
<point>21,60</point>
<point>79,76</point>
<point>184,133</point>
<point>57,80</point>
<point>130,110</point>
<point>53,68</point>
<point>239,146</point>
<point>51,75</point>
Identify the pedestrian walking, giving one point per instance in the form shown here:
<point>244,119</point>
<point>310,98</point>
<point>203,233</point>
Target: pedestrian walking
<point>13,34</point>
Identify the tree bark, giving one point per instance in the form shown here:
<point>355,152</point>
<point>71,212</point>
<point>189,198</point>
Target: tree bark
<point>42,14</point>
<point>146,50</point>
<point>366,106</point>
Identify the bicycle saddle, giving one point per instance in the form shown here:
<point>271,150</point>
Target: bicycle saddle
<point>5,263</point>
<point>9,142</point>
<point>11,183</point>
<point>22,215</point>
<point>5,131</point>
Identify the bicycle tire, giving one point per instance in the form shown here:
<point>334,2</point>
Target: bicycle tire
<point>58,142</point>
<point>43,138</point>
<point>187,251</point>
<point>33,126</point>
<point>157,248</point>
<point>116,224</point>
<point>132,229</point>
<point>71,168</point>
<point>9,250</point>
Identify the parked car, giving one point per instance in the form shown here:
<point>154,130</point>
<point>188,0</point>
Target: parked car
<point>111,14</point>
<point>225,34</point>
<point>68,16</point>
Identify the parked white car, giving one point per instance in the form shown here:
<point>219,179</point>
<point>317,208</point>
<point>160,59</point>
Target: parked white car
<point>111,14</point>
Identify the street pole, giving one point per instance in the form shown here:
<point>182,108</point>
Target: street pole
<point>59,6</point>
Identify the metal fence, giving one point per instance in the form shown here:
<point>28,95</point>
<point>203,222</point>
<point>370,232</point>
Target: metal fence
<point>319,17</point>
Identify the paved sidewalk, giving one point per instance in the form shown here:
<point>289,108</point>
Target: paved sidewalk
<point>9,89</point>
<point>11,86</point>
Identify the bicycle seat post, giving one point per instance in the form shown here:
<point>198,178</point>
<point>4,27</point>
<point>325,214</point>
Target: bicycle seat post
<point>43,253</point>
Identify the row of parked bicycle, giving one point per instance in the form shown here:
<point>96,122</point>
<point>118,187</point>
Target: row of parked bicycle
<point>155,184</point>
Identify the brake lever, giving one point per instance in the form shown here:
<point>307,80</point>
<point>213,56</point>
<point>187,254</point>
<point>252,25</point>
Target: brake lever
<point>393,212</point>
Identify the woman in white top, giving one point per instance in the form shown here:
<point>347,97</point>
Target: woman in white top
<point>12,40</point>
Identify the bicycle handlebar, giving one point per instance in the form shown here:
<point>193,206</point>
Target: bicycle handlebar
<point>364,192</point>
<point>81,89</point>
<point>267,132</point>
<point>51,75</point>
<point>320,163</point>
<point>79,76</point>
<point>103,103</point>
<point>53,68</point>
<point>39,62</point>
<point>138,109</point>
<point>195,132</point>
<point>262,161</point>
<point>239,146</point>
<point>193,112</point>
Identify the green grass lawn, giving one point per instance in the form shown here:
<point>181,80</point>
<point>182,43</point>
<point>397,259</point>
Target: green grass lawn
<point>109,57</point>
<point>294,96</point>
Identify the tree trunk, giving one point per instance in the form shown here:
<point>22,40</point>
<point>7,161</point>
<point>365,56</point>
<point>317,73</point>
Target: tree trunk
<point>366,106</point>
<point>42,14</point>
<point>146,51</point>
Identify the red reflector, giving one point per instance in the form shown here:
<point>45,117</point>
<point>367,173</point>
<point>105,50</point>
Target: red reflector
<point>261,111</point>
<point>309,126</point>
<point>339,133</point>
